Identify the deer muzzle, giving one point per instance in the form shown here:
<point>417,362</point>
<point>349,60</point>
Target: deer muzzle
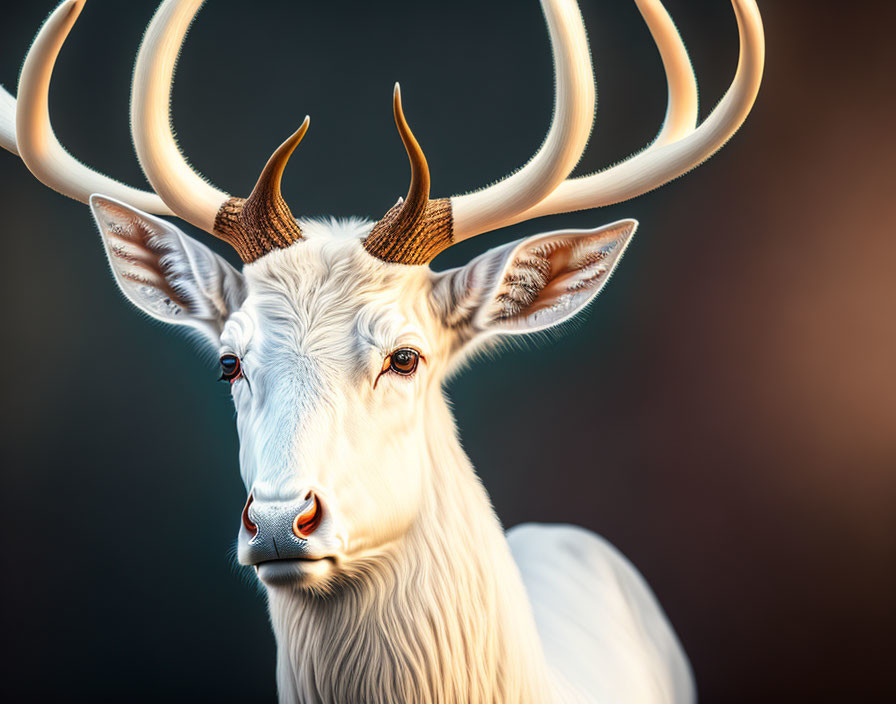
<point>280,530</point>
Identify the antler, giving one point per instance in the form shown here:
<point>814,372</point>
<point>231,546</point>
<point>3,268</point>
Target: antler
<point>8,121</point>
<point>416,229</point>
<point>253,226</point>
<point>262,222</point>
<point>665,160</point>
<point>26,129</point>
<point>562,148</point>
<point>541,186</point>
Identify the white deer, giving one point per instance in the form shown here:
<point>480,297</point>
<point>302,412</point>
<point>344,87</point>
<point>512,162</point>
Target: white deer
<point>389,577</point>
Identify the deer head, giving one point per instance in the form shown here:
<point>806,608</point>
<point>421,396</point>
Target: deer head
<point>336,336</point>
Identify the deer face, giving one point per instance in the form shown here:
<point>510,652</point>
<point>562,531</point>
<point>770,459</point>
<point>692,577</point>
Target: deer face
<point>338,354</point>
<point>335,358</point>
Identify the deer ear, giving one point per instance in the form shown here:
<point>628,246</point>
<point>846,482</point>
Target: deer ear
<point>532,284</point>
<point>165,273</point>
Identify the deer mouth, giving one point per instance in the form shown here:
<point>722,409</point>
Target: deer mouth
<point>294,571</point>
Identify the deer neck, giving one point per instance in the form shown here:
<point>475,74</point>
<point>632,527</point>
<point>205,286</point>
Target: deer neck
<point>440,616</point>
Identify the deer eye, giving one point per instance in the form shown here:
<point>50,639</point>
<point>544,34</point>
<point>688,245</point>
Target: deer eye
<point>404,361</point>
<point>231,369</point>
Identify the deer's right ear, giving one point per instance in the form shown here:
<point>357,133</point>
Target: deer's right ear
<point>165,273</point>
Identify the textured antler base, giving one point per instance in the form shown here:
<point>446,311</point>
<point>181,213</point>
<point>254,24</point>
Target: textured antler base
<point>432,233</point>
<point>251,231</point>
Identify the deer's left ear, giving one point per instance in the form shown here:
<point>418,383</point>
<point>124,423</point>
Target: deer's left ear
<point>532,284</point>
<point>164,272</point>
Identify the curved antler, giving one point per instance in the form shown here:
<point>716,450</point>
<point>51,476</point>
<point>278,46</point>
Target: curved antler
<point>678,148</point>
<point>415,229</point>
<point>665,161</point>
<point>262,222</point>
<point>253,226</point>
<point>8,121</point>
<point>26,130</point>
<point>574,108</point>
<point>560,152</point>
<point>189,195</point>
<point>541,187</point>
<point>681,83</point>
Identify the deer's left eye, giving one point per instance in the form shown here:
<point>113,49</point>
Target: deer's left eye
<point>231,369</point>
<point>404,361</point>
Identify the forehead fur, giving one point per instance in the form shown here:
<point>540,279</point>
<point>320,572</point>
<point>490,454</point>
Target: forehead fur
<point>326,289</point>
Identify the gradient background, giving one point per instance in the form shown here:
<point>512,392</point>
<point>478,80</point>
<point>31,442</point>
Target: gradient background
<point>725,414</point>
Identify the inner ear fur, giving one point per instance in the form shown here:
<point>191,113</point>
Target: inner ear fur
<point>534,283</point>
<point>166,273</point>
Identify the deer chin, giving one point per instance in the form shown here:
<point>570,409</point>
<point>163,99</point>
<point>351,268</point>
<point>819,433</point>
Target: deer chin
<point>296,573</point>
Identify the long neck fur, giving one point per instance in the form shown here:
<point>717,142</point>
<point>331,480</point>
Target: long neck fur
<point>441,616</point>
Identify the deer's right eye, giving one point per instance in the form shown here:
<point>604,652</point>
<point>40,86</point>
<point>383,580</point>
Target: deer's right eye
<point>231,369</point>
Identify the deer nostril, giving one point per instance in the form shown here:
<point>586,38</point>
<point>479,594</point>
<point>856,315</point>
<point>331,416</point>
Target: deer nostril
<point>247,522</point>
<point>309,516</point>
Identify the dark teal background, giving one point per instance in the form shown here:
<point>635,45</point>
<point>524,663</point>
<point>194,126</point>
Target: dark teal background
<point>725,413</point>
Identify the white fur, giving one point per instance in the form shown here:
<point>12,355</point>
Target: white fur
<point>421,599</point>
